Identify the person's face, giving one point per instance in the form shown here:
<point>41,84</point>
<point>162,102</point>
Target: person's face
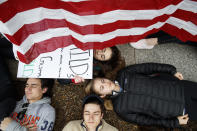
<point>92,115</point>
<point>103,86</point>
<point>33,90</point>
<point>103,55</point>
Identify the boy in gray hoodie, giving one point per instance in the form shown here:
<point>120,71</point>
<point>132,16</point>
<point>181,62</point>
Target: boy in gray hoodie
<point>33,112</point>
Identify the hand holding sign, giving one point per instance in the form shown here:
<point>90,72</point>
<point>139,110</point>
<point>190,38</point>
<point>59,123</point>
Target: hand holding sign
<point>79,79</point>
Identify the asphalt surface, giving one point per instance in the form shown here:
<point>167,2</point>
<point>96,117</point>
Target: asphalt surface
<point>183,57</point>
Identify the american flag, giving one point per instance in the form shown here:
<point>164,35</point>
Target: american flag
<point>39,26</point>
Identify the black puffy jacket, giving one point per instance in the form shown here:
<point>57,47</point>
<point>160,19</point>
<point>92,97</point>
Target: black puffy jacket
<point>149,99</point>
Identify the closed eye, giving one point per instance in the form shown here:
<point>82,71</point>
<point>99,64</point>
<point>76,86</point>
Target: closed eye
<point>101,88</point>
<point>103,57</point>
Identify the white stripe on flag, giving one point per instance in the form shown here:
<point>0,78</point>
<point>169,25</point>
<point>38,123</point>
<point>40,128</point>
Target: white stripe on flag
<point>2,1</point>
<point>189,6</point>
<point>4,28</point>
<point>181,24</point>
<point>41,36</point>
<point>34,15</point>
<point>74,0</point>
<point>44,35</point>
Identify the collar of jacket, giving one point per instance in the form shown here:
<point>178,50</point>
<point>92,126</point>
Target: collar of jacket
<point>116,93</point>
<point>97,128</point>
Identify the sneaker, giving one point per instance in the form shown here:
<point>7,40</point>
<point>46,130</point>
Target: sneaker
<point>141,44</point>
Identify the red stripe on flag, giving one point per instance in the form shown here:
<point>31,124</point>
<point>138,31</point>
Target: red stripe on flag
<point>45,46</point>
<point>94,7</point>
<point>179,33</point>
<point>186,15</point>
<point>12,7</point>
<point>29,29</point>
<point>58,42</point>
<point>12,39</point>
<point>45,24</point>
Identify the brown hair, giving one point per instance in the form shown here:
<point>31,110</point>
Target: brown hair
<point>110,68</point>
<point>93,99</point>
<point>46,83</point>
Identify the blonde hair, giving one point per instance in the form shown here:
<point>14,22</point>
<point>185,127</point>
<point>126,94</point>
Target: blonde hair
<point>89,86</point>
<point>89,89</point>
<point>108,104</point>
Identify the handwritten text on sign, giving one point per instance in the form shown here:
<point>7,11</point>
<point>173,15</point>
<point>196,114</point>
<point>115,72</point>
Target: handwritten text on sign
<point>61,63</point>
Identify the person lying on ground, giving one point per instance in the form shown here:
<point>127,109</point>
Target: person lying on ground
<point>93,111</point>
<point>149,94</point>
<point>33,112</point>
<point>106,63</point>
<point>159,38</point>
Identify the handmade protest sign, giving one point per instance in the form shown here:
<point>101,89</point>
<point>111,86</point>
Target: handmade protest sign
<point>64,62</point>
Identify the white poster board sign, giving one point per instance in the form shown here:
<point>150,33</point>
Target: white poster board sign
<point>61,63</point>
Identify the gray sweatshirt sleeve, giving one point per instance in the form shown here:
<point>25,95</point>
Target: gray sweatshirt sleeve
<point>46,122</point>
<point>15,126</point>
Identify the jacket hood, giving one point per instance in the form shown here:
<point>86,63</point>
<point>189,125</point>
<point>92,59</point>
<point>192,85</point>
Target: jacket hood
<point>44,100</point>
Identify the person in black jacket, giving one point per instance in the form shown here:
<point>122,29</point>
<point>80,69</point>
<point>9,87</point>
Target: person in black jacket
<point>7,97</point>
<point>7,91</point>
<point>158,38</point>
<point>150,94</point>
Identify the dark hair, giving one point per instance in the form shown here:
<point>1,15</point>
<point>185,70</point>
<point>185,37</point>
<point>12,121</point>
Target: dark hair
<point>110,67</point>
<point>93,99</point>
<point>114,57</point>
<point>47,83</point>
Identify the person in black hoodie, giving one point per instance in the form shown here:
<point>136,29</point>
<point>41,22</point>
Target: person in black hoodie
<point>150,94</point>
<point>7,92</point>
